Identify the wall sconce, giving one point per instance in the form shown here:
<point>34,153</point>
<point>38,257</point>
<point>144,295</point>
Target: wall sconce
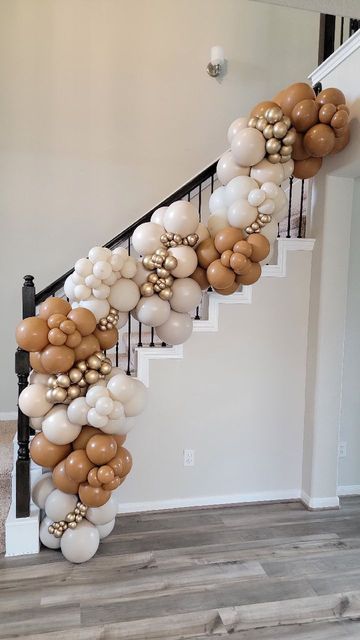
<point>216,63</point>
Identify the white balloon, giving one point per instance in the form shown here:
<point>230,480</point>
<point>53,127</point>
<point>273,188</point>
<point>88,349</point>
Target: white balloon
<point>47,539</point>
<point>117,261</point>
<point>99,253</point>
<point>202,232</point>
<point>236,126</point>
<point>186,295</point>
<point>69,288</point>
<point>267,207</point>
<point>239,188</point>
<point>152,311</point>
<point>105,529</point>
<point>36,423</point>
<point>39,378</point>
<point>96,420</point>
<point>256,197</point>
<point>104,514</point>
<point>100,308</point>
<point>124,294</point>
<point>123,318</point>
<point>82,292</point>
<point>119,426</point>
<point>265,171</point>
<point>102,269</point>
<point>120,251</point>
<point>102,292</point>
<point>227,169</point>
<point>32,400</point>
<point>80,544</point>
<point>83,267</point>
<point>117,410</point>
<point>146,238</point>
<point>182,218</point>
<point>187,261</point>
<point>177,329</point>
<point>111,279</point>
<point>95,392</point>
<point>121,387</point>
<point>104,406</point>
<point>77,411</point>
<point>57,427</point>
<point>158,216</point>
<point>92,282</point>
<point>248,147</point>
<point>137,403</point>
<point>217,200</point>
<point>270,189</point>
<point>288,168</point>
<point>241,214</point>
<point>77,279</point>
<point>129,268</point>
<point>42,489</point>
<point>58,504</point>
<point>280,214</point>
<point>217,221</point>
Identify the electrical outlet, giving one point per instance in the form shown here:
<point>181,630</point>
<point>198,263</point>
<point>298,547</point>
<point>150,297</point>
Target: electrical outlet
<point>342,449</point>
<point>189,457</point>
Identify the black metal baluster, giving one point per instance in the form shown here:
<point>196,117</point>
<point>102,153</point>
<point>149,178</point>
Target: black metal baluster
<point>199,201</point>
<point>212,183</point>
<point>289,210</point>
<point>117,354</point>
<point>152,343</point>
<point>189,196</point>
<point>128,370</point>
<point>301,209</point>
<point>342,31</point>
<point>22,370</point>
<point>140,331</point>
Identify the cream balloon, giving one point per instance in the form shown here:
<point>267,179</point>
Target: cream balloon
<point>38,378</point>
<point>95,392</point>
<point>100,308</point>
<point>152,311</point>
<point>36,423</point>
<point>217,200</point>
<point>118,426</point>
<point>124,295</point>
<point>77,411</point>
<point>57,427</point>
<point>241,214</point>
<point>141,274</point>
<point>129,268</point>
<point>103,515</point>
<point>217,221</point>
<point>186,261</point>
<point>227,169</point>
<point>270,231</point>
<point>158,216</point>
<point>80,544</point>
<point>288,168</point>
<point>32,400</point>
<point>186,295</point>
<point>239,188</point>
<point>202,232</point>
<point>83,267</point>
<point>42,489</point>
<point>177,329</point>
<point>99,253</point>
<point>236,126</point>
<point>105,529</point>
<point>146,238</point>
<point>265,171</point>
<point>248,147</point>
<point>69,288</point>
<point>58,504</point>
<point>121,387</point>
<point>137,402</point>
<point>47,539</point>
<point>182,218</point>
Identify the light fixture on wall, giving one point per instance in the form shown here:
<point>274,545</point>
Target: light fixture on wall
<point>217,60</point>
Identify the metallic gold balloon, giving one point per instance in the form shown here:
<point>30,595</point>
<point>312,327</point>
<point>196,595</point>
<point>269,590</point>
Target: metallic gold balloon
<point>162,273</point>
<point>105,368</point>
<point>148,263</point>
<point>169,281</point>
<point>91,376</point>
<point>63,381</point>
<point>290,137</point>
<point>100,355</point>
<point>286,151</point>
<point>274,114</point>
<point>252,122</point>
<point>93,362</point>
<point>73,391</point>
<point>78,518</point>
<point>81,365</point>
<point>82,383</point>
<point>268,132</point>
<point>166,294</point>
<point>286,120</point>
<point>261,124</point>
<point>280,129</point>
<point>57,533</point>
<point>147,289</point>
<point>52,381</point>
<point>161,252</point>
<point>273,145</point>
<point>51,528</point>
<point>72,525</point>
<point>274,158</point>
<point>75,375</point>
<point>285,159</point>
<point>170,263</point>
<point>59,394</point>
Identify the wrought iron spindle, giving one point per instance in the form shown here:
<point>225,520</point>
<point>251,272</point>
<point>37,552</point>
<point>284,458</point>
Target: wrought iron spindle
<point>139,337</point>
<point>117,354</point>
<point>152,343</point>
<point>301,209</point>
<point>342,30</point>
<point>212,183</point>
<point>128,370</point>
<point>288,235</point>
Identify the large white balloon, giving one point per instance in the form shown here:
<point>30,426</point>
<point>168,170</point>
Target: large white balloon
<point>236,126</point>
<point>186,295</point>
<point>177,329</point>
<point>239,188</point>
<point>57,427</point>
<point>217,200</point>
<point>105,529</point>
<point>99,253</point>
<point>265,171</point>
<point>146,238</point>
<point>77,411</point>
<point>80,544</point>
<point>83,267</point>
<point>182,218</point>
<point>248,147</point>
<point>227,169</point>
<point>187,261</point>
<point>124,295</point>
<point>217,221</point>
<point>121,387</point>
<point>137,402</point>
<point>69,288</point>
<point>32,400</point>
<point>100,308</point>
<point>58,504</point>
<point>158,216</point>
<point>152,311</point>
<point>241,214</point>
<point>47,538</point>
<point>104,514</point>
<point>42,489</point>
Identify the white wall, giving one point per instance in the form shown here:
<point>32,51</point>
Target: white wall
<point>106,108</point>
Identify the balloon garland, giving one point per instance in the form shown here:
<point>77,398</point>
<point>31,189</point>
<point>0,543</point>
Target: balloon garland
<point>80,405</point>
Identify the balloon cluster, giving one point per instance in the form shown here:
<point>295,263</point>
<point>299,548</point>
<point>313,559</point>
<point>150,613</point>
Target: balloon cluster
<point>277,131</point>
<point>66,387</point>
<point>72,519</point>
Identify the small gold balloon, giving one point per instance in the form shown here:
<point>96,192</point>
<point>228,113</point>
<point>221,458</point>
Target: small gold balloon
<point>274,158</point>
<point>58,533</point>
<point>162,273</point>
<point>148,263</point>
<point>274,114</point>
<point>268,132</point>
<point>61,523</point>
<point>286,151</point>
<point>100,355</point>
<point>170,263</point>
<point>169,281</point>
<point>73,391</point>
<point>147,289</point>
<point>51,528</point>
<point>163,238</point>
<point>63,380</point>
<point>105,368</point>
<point>273,145</point>
<point>284,159</point>
<point>70,517</point>
<point>52,381</point>
<point>72,525</point>
<point>49,395</point>
<point>261,124</point>
<point>289,138</point>
<point>93,362</point>
<point>82,383</point>
<point>82,366</point>
<point>252,122</point>
<point>192,239</point>
<point>78,518</point>
<point>102,322</point>
<point>113,311</point>
<point>76,510</point>
<point>165,294</point>
<point>75,375</point>
<point>91,376</point>
<point>59,394</point>
<point>280,130</point>
<point>286,120</point>
<point>153,277</point>
<point>161,252</point>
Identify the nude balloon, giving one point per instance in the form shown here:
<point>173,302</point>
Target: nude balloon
<point>33,402</point>
<point>80,544</point>
<point>137,402</point>
<point>186,295</point>
<point>158,216</point>
<point>239,188</point>
<point>181,217</point>
<point>152,311</point>
<point>146,238</point>
<point>100,308</point>
<point>217,221</point>
<point>227,168</point>
<point>46,538</point>
<point>217,200</point>
<point>124,294</point>
<point>41,489</point>
<point>186,261</point>
<point>177,329</point>
<point>104,514</point>
<point>57,428</point>
<point>266,171</point>
<point>248,147</point>
<point>58,504</point>
<point>235,127</point>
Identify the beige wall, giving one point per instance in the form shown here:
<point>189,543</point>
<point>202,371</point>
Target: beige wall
<point>106,108</point>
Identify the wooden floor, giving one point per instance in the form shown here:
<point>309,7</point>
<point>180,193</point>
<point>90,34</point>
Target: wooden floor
<point>245,573</point>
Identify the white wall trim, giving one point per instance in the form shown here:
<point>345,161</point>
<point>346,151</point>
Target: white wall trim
<point>8,415</point>
<point>336,58</point>
<point>330,502</point>
<point>145,354</point>
<point>349,490</point>
<point>209,501</point>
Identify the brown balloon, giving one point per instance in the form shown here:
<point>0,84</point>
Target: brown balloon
<point>319,140</point>
<point>54,321</point>
<point>227,292</point>
<point>57,359</point>
<point>199,276</point>
<point>304,115</point>
<point>251,276</point>
<point>46,453</point>
<point>121,463</point>
<point>108,338</point>
<point>226,238</point>
<point>240,264</point>
<point>92,478</point>
<point>206,253</point>
<point>243,247</point>
<point>62,481</point>
<point>68,327</point>
<point>101,448</point>
<point>261,107</point>
<point>105,474</point>
<point>339,133</point>
<point>78,465</point>
<point>293,94</point>
<point>335,96</point>
<point>220,277</point>
<point>32,334</point>
<point>84,320</point>
<point>84,436</point>
<point>93,496</point>
<point>340,144</point>
<point>260,247</point>
<point>299,152</point>
<point>308,168</point>
<point>74,339</point>
<point>327,111</point>
<point>35,362</point>
<point>225,257</point>
<point>56,337</point>
<point>54,305</point>
<point>340,119</point>
<point>343,107</point>
<point>114,484</point>
<point>86,348</point>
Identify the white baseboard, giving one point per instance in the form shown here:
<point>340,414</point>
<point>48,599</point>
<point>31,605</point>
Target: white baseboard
<point>22,534</point>
<point>8,415</point>
<point>330,502</point>
<point>349,490</point>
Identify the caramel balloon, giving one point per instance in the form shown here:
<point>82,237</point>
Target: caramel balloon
<point>308,168</point>
<point>305,114</point>
<point>113,484</point>
<point>119,440</point>
<point>62,481</point>
<point>92,478</point>
<point>293,94</point>
<point>226,238</point>
<point>327,111</point>
<point>105,474</point>
<point>54,305</point>
<point>35,362</point>
<point>101,448</point>
<point>84,320</point>
<point>32,334</point>
<point>243,247</point>
<point>57,359</point>
<point>260,247</point>
<point>251,276</point>
<point>319,140</point>
<point>340,144</point>
<point>220,277</point>
<point>261,107</point>
<point>78,465</point>
<point>84,436</point>
<point>88,346</point>
<point>299,152</point>
<point>199,276</point>
<point>55,320</point>
<point>206,253</point>
<point>335,96</point>
<point>74,339</point>
<point>93,496</point>
<point>108,338</point>
<point>56,337</point>
<point>240,264</point>
<point>121,463</point>
<point>227,292</point>
<point>339,119</point>
<point>46,453</point>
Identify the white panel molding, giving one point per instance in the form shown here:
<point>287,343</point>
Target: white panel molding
<point>349,490</point>
<point>330,502</point>
<point>336,58</point>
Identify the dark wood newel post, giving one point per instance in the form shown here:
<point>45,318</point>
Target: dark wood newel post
<point>22,370</point>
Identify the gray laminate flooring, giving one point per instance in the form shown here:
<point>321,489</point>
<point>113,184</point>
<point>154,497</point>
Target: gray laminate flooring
<point>274,571</point>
